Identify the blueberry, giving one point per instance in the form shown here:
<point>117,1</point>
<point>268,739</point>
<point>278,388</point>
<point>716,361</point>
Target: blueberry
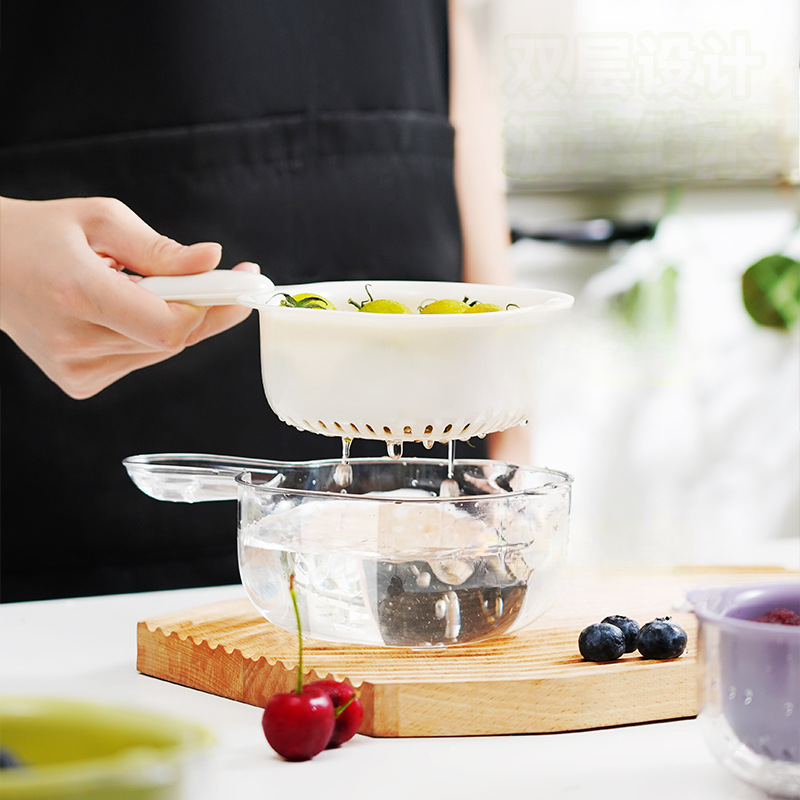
<point>662,638</point>
<point>601,642</point>
<point>629,628</point>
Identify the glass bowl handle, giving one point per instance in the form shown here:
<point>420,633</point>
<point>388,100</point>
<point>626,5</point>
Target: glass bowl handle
<point>192,477</point>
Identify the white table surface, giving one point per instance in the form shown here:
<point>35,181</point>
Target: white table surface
<point>86,648</point>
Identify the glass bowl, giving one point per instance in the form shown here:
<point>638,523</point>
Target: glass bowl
<point>404,555</point>
<point>750,683</point>
<point>73,749</point>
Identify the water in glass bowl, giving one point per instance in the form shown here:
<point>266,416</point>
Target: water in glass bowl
<point>405,567</point>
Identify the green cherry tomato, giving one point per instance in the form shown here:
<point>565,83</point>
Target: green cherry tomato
<point>480,308</point>
<point>380,306</point>
<point>445,306</point>
<point>384,307</point>
<point>307,300</point>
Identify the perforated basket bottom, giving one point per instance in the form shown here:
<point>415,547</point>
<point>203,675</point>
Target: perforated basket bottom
<point>408,430</point>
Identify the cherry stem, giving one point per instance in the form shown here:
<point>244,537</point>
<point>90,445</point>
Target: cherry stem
<point>340,709</point>
<point>293,595</point>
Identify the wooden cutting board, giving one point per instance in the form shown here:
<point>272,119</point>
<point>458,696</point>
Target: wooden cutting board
<point>531,682</point>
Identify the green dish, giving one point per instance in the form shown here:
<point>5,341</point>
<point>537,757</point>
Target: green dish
<point>72,749</point>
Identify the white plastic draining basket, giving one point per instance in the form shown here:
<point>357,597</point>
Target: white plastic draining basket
<point>403,377</point>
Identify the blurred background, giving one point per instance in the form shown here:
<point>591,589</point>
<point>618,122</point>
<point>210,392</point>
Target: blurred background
<point>651,157</point>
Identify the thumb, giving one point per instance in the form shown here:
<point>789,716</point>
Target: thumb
<point>114,230</point>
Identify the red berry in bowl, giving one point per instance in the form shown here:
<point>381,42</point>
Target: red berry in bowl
<point>348,711</point>
<point>780,616</point>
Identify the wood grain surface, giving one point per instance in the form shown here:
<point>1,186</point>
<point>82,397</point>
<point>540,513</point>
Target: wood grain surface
<point>534,681</point>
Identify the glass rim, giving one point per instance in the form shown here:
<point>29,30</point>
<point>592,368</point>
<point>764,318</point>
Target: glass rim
<point>560,480</point>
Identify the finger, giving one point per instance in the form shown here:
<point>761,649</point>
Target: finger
<point>97,340</point>
<point>86,377</point>
<point>222,318</point>
<point>113,229</point>
<point>118,304</point>
<point>217,320</point>
<point>93,341</point>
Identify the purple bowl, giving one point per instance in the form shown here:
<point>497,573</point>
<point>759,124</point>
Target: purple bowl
<point>750,682</point>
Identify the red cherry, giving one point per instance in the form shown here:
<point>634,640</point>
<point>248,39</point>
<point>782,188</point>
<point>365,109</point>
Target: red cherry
<point>348,712</point>
<point>298,726</point>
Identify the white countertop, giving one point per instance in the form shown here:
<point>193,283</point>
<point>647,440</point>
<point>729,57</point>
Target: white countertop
<point>86,649</point>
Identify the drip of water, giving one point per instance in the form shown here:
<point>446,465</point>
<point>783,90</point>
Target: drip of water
<point>449,486</point>
<point>343,474</point>
<point>428,443</point>
<point>394,450</point>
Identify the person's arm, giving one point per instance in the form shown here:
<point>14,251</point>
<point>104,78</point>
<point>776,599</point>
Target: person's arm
<point>67,304</point>
<point>480,188</point>
<point>480,184</point>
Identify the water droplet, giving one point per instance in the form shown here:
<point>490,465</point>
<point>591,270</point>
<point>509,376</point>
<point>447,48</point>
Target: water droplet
<point>428,444</point>
<point>423,580</point>
<point>452,570</point>
<point>453,616</point>
<point>343,475</point>
<point>748,697</point>
<point>346,449</point>
<point>788,709</point>
<point>732,693</point>
<point>449,488</point>
<point>451,457</point>
<point>525,422</point>
<point>394,450</point>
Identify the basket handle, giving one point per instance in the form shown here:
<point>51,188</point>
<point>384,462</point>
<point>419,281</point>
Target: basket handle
<point>219,287</point>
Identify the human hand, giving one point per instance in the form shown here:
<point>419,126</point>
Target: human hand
<point>67,304</point>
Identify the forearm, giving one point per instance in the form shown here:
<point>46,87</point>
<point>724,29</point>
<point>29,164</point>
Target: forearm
<point>480,184</point>
<point>480,187</point>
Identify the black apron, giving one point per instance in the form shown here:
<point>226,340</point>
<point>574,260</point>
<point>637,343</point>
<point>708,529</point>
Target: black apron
<point>310,137</point>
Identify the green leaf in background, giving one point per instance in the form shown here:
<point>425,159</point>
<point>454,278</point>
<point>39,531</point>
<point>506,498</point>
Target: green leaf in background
<point>651,303</point>
<point>771,291</point>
